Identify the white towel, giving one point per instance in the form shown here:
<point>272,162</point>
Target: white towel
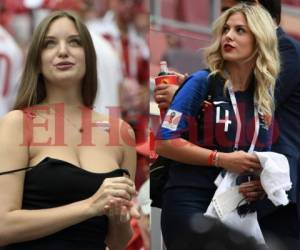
<point>275,176</point>
<point>275,179</point>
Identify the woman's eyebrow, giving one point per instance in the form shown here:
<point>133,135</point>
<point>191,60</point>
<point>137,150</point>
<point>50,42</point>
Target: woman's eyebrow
<point>50,37</point>
<point>74,36</point>
<point>236,25</point>
<point>70,36</point>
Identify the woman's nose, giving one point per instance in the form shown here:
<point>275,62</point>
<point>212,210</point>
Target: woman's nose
<point>62,50</point>
<point>229,35</point>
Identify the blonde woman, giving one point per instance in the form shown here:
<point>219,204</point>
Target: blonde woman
<point>244,63</point>
<point>64,182</point>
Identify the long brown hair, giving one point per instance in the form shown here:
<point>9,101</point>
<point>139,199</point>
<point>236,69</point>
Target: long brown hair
<point>32,89</point>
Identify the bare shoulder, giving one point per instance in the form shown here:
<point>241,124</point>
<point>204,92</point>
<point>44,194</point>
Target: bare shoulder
<point>12,127</point>
<point>13,157</point>
<point>13,145</point>
<point>12,121</point>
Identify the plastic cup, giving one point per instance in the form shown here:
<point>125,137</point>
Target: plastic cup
<point>167,79</point>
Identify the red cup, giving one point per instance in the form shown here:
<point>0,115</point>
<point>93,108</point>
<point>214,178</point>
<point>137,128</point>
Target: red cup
<point>168,79</point>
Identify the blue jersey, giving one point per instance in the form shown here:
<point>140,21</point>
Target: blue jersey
<point>217,130</point>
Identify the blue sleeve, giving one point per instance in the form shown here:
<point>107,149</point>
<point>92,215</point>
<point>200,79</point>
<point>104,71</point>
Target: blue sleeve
<point>185,106</point>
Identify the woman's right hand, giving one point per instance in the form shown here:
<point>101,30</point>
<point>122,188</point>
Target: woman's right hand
<point>120,189</point>
<point>163,94</point>
<point>239,162</point>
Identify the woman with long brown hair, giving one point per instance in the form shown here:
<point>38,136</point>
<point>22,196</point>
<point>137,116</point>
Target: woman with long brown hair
<point>65,182</point>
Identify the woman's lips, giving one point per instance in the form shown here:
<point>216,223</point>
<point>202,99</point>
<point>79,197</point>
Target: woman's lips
<point>228,48</point>
<point>64,66</point>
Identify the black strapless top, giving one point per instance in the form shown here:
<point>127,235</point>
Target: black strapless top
<point>52,183</point>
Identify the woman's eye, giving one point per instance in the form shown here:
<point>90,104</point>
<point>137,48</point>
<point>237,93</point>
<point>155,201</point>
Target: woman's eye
<point>225,29</point>
<point>240,30</point>
<point>75,42</point>
<point>49,44</point>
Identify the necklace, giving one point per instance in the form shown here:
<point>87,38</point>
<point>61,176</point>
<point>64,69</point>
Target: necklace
<point>57,115</point>
<point>65,118</point>
<point>80,129</point>
<point>104,125</point>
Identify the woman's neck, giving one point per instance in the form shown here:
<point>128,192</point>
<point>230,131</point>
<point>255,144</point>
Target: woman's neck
<point>240,76</point>
<point>69,97</point>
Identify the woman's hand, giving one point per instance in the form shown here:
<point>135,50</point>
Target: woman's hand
<point>114,192</point>
<point>119,229</point>
<point>239,162</point>
<point>252,190</point>
<point>163,94</point>
<point>120,213</point>
<point>180,77</point>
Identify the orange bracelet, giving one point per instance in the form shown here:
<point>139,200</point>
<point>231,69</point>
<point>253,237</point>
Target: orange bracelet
<point>212,157</point>
<point>216,160</point>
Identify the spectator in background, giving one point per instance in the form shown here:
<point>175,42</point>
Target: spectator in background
<point>134,54</point>
<point>11,64</point>
<point>101,14</point>
<point>177,55</point>
<point>110,76</point>
<point>109,65</point>
<point>11,60</point>
<point>141,227</point>
<point>283,222</point>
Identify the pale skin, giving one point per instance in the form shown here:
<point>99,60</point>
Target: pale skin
<point>113,198</point>
<point>239,65</point>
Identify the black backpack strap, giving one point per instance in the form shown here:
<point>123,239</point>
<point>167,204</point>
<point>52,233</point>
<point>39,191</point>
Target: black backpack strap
<point>214,80</point>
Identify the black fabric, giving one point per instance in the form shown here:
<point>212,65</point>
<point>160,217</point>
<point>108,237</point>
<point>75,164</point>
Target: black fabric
<point>185,228</point>
<point>53,183</point>
<point>287,112</point>
<point>286,140</point>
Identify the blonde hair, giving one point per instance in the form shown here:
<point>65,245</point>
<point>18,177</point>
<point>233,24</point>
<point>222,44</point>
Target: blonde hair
<point>32,89</point>
<point>267,64</point>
